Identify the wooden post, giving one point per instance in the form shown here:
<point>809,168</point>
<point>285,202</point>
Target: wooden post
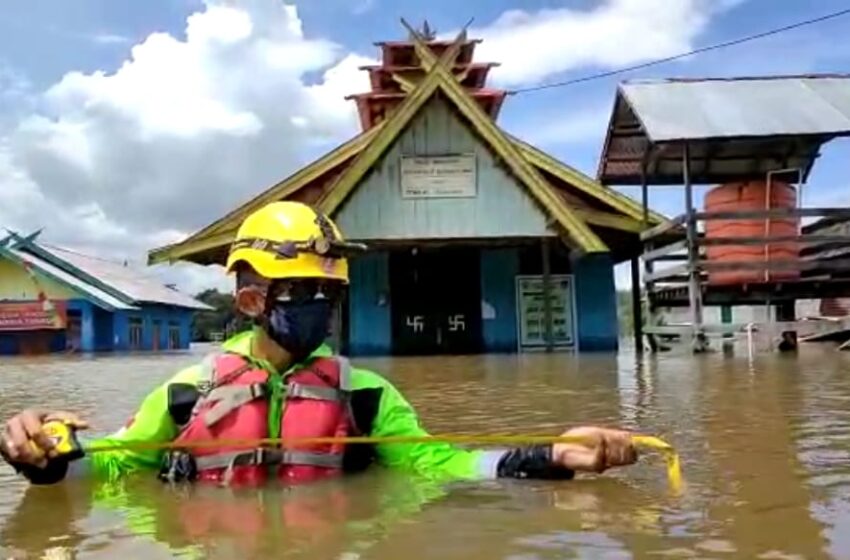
<point>637,316</point>
<point>547,293</point>
<point>786,312</point>
<point>647,265</point>
<point>694,295</point>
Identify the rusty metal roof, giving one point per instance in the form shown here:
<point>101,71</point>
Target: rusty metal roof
<point>129,280</point>
<point>109,284</point>
<point>91,292</point>
<point>736,128</point>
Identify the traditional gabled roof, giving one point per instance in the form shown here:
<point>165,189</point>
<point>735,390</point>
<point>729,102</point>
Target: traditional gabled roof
<point>348,164</point>
<point>582,182</point>
<point>439,79</point>
<point>109,285</point>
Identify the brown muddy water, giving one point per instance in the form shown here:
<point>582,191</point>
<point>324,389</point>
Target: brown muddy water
<point>765,447</point>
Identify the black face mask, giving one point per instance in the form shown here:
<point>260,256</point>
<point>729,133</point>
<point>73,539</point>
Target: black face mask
<point>299,328</point>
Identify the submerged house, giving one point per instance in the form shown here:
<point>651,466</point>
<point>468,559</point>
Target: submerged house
<point>54,299</point>
<point>468,226</point>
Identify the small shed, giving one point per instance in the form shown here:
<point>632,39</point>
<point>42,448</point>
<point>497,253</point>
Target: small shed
<point>55,299</point>
<point>729,131</point>
<point>480,242</point>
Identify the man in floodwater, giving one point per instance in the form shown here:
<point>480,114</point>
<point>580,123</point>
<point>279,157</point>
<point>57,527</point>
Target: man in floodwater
<point>280,380</point>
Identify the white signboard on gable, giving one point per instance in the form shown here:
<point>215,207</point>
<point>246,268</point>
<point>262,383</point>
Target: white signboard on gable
<point>438,176</point>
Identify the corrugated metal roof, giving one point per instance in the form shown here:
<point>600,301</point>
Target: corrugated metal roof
<point>134,283</point>
<point>98,295</point>
<point>722,108</point>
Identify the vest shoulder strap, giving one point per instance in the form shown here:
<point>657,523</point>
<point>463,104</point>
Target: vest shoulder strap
<point>344,373</point>
<point>228,398</point>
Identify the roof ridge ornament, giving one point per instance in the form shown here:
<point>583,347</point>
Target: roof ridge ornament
<point>428,33</point>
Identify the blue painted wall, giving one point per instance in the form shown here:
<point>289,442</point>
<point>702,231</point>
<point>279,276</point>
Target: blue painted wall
<point>370,330</point>
<point>499,268</point>
<point>369,325</point>
<point>120,325</point>
<point>87,323</point>
<point>185,320</point>
<point>596,303</point>
<point>8,344</point>
<point>166,316</point>
<point>103,330</point>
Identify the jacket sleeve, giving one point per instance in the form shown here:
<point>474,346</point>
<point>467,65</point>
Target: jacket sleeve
<point>396,417</point>
<point>151,423</point>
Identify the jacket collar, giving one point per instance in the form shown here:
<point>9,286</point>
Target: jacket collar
<point>241,344</point>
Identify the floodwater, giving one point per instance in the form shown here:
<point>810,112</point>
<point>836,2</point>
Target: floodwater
<point>765,447</point>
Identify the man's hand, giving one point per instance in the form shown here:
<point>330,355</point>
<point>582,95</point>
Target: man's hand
<point>601,449</point>
<point>24,429</point>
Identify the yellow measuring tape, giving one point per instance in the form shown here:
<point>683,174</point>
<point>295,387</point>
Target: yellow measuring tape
<point>66,444</point>
<point>674,474</point>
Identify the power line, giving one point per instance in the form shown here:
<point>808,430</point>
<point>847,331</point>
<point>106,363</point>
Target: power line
<point>116,261</point>
<point>685,54</point>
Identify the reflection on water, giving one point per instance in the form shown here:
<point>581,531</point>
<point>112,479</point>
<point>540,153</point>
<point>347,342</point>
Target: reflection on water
<point>765,448</point>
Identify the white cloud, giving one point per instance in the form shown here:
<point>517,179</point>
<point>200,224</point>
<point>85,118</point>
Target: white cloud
<point>183,131</point>
<point>531,46</point>
<point>117,162</point>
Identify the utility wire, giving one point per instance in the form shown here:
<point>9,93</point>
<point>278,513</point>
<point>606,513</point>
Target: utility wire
<point>685,54</point>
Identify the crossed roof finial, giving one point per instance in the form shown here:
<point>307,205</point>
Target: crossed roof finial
<point>427,33</point>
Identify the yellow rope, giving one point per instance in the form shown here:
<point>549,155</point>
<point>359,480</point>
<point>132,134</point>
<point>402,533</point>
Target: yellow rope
<point>674,474</point>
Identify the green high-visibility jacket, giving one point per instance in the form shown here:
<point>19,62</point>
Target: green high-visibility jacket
<point>391,415</point>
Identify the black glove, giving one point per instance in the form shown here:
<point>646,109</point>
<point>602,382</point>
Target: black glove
<point>532,462</point>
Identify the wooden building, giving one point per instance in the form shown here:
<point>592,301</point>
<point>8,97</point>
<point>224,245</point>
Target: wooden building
<point>755,141</point>
<point>468,225</point>
<point>57,300</point>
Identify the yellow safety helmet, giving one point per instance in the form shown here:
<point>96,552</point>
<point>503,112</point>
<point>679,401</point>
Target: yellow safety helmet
<point>291,240</point>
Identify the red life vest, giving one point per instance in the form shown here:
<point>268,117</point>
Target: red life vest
<point>234,405</point>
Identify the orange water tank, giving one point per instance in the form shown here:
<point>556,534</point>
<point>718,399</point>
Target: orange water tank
<point>743,196</point>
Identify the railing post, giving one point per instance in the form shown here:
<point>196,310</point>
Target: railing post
<point>699,341</point>
<point>651,319</point>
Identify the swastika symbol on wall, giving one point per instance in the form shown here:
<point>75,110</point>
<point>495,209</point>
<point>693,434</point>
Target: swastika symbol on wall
<point>457,323</point>
<point>417,323</point>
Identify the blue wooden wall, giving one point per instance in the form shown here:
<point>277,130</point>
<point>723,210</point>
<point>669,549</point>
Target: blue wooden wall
<point>502,207</point>
<point>119,335</point>
<point>369,325</point>
<point>499,268</point>
<point>87,323</point>
<point>596,303</point>
<point>103,331</point>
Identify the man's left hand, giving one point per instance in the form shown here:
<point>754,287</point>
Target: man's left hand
<point>600,450</point>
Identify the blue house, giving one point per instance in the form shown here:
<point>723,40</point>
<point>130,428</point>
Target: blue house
<point>57,300</point>
<point>480,242</point>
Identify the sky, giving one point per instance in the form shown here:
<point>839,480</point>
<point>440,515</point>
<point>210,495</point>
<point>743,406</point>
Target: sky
<point>125,126</point>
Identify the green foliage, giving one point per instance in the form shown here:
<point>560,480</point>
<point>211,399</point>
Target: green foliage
<point>222,320</point>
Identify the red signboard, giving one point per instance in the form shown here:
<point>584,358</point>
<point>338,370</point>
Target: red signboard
<point>32,316</point>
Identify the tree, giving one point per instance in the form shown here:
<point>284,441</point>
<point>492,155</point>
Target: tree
<point>222,319</point>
